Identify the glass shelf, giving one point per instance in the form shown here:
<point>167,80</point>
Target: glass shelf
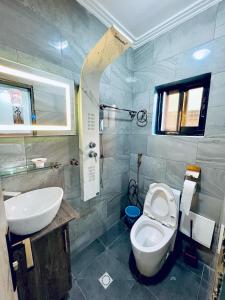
<point>7,172</point>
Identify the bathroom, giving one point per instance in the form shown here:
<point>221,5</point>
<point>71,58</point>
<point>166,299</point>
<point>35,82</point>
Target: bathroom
<point>87,252</point>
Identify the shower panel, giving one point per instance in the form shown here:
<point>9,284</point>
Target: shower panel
<point>109,47</point>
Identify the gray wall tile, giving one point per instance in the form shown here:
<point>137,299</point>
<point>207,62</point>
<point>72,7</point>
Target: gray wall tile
<point>172,148</point>
<point>196,31</point>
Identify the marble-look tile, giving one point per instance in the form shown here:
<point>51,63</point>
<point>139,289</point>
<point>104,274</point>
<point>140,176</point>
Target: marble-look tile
<point>138,143</point>
<point>220,23</point>
<point>212,182</point>
<point>105,262</point>
<point>12,152</point>
<point>55,149</point>
<point>139,291</point>
<point>215,122</point>
<point>27,182</point>
<point>208,206</point>
<point>153,168</point>
<point>91,226</point>
<point>69,16</point>
<point>126,59</point>
<point>133,175</point>
<point>105,93</point>
<point>205,291</point>
<point>120,77</point>
<point>44,65</point>
<point>117,204</point>
<point>93,289</point>
<point>8,52</point>
<point>115,183</point>
<point>172,148</point>
<point>160,73</point>
<point>143,57</point>
<point>196,31</point>
<point>179,284</point>
<point>217,90</point>
<point>211,152</point>
<point>141,101</point>
<point>114,145</point>
<point>28,31</point>
<point>71,175</point>
<point>75,292</point>
<point>115,165</point>
<point>110,235</point>
<point>147,182</point>
<point>175,174</point>
<point>121,248</point>
<point>188,66</point>
<point>82,259</point>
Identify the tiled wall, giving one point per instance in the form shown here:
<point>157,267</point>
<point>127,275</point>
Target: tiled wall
<point>167,59</point>
<point>28,29</point>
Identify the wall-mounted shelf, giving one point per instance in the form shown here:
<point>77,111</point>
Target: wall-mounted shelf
<point>8,172</point>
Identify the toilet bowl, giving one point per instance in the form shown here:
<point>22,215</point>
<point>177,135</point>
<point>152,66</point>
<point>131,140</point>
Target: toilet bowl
<point>153,235</point>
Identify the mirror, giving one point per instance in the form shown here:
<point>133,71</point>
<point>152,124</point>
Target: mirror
<point>33,101</point>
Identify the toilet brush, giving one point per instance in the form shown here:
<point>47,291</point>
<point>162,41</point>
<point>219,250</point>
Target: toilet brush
<point>190,254</point>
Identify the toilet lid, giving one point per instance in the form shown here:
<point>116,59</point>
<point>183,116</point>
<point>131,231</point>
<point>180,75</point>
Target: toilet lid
<point>160,204</point>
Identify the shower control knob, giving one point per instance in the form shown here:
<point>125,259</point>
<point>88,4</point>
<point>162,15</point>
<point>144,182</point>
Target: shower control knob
<point>92,145</point>
<point>92,154</point>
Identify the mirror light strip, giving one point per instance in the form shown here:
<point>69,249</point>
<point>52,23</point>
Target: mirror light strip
<point>37,78</point>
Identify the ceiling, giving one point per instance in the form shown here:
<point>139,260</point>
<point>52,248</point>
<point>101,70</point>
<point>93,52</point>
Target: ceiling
<point>144,20</point>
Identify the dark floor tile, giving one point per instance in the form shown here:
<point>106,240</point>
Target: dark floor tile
<point>140,292</point>
<point>180,284</point>
<point>109,236</point>
<point>118,290</point>
<point>198,271</point>
<point>84,258</point>
<point>75,293</point>
<point>205,290</point>
<point>106,262</point>
<point>208,273</point>
<point>121,247</point>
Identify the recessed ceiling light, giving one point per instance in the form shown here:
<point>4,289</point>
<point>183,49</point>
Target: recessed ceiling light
<point>59,45</point>
<point>201,54</point>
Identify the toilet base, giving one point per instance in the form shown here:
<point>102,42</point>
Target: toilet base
<point>158,277</point>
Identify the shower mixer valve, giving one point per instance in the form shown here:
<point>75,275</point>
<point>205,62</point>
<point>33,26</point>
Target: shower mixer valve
<point>93,154</point>
<point>92,145</point>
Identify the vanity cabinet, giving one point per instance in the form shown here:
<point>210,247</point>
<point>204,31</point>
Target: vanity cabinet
<point>50,276</point>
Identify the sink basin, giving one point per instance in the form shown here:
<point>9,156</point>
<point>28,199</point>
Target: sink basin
<point>32,211</point>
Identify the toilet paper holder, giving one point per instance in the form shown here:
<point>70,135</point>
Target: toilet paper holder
<point>192,173</point>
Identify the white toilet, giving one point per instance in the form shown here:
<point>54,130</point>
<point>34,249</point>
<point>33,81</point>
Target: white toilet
<point>153,235</point>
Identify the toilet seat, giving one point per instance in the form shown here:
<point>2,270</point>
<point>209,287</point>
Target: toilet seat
<point>160,205</point>
<point>146,231</point>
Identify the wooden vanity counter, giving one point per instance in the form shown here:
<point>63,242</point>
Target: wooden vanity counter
<point>49,278</point>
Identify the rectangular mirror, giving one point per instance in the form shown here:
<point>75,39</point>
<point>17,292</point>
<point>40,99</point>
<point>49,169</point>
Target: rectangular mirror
<point>34,101</point>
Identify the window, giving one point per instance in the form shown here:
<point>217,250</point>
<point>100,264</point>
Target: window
<point>182,106</point>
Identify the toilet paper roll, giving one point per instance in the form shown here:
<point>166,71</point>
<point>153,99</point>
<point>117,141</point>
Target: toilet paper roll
<point>187,196</point>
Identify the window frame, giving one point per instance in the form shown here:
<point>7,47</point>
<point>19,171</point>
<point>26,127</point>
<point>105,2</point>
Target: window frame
<point>183,86</point>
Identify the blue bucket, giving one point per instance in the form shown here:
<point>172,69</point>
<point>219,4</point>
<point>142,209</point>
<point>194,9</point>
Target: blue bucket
<point>132,214</point>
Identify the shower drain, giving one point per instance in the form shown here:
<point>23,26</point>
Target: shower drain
<point>105,280</point>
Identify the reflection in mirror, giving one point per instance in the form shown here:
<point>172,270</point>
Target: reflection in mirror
<point>16,104</point>
<point>32,100</point>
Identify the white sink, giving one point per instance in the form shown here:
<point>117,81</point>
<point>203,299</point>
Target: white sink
<point>32,211</point>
